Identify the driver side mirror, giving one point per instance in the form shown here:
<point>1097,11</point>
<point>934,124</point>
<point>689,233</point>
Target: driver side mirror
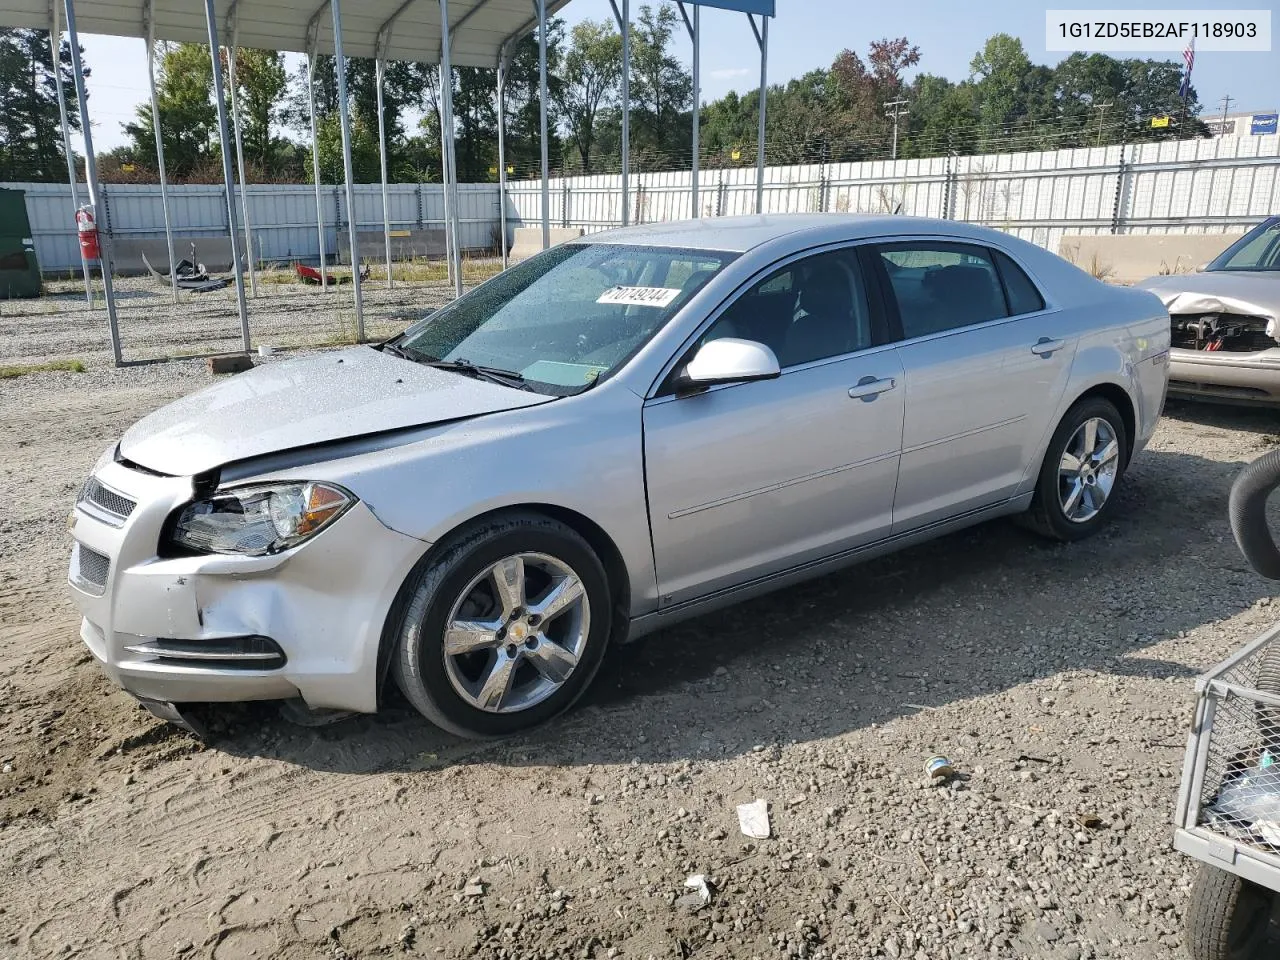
<point>1200,267</point>
<point>728,360</point>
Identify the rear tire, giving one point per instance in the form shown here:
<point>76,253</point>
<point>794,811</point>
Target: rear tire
<point>486,646</point>
<point>1081,473</point>
<point>1228,917</point>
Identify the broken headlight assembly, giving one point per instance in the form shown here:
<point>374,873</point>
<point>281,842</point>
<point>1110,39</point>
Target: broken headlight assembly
<point>259,520</point>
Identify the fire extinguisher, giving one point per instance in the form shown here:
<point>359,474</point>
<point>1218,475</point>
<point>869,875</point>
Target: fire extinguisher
<point>88,230</point>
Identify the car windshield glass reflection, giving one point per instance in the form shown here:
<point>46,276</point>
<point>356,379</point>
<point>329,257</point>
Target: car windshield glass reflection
<point>1259,249</point>
<point>561,321</point>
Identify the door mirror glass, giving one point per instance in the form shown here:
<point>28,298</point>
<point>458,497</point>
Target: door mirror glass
<point>730,360</point>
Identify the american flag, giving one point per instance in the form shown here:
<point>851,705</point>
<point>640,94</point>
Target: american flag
<point>1189,56</point>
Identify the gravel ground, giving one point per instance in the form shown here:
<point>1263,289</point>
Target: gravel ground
<point>1057,678</point>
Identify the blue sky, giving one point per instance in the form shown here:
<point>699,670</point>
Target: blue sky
<point>805,35</point>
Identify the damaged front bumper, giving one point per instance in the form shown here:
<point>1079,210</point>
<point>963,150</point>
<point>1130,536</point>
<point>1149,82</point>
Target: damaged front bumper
<point>306,622</point>
<point>1224,375</point>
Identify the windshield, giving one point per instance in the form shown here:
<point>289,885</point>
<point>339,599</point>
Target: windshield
<point>567,317</point>
<point>1259,249</point>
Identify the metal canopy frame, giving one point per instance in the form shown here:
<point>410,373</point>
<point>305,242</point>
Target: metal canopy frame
<point>478,33</point>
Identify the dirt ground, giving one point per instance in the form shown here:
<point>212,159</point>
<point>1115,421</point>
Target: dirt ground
<point>1057,678</point>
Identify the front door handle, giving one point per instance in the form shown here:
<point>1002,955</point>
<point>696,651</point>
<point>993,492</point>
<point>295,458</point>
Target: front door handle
<point>1045,347</point>
<point>869,388</point>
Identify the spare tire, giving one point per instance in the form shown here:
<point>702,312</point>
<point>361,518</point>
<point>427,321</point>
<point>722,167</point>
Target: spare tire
<point>1248,510</point>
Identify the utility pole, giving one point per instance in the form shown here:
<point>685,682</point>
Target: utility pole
<point>1102,109</point>
<point>1226,105</point>
<point>899,108</point>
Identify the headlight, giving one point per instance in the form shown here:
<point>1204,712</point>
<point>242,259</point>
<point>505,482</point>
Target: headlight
<point>258,520</point>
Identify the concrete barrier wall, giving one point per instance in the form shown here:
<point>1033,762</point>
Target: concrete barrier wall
<point>1128,259</point>
<point>417,244</point>
<point>528,240</point>
<point>213,252</point>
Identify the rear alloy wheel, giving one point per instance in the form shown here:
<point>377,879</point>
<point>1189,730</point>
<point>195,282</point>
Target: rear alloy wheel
<point>505,629</point>
<point>1084,463</point>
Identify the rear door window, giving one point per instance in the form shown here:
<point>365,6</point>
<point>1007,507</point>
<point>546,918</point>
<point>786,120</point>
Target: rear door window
<point>939,286</point>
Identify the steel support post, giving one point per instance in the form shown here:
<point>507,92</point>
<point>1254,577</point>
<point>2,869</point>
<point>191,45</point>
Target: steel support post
<point>224,138</point>
<point>91,176</point>
<point>344,118</point>
<point>379,70</point>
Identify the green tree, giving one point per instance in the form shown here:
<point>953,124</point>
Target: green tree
<point>1010,89</point>
<point>944,116</point>
<point>188,117</point>
<point>523,107</point>
<point>1136,90</point>
<point>661,89</point>
<point>30,138</point>
<point>364,151</point>
<point>475,114</point>
<point>798,120</point>
<point>261,83</point>
<point>592,72</point>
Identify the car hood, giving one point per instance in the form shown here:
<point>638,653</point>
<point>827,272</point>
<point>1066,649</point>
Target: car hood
<point>1248,293</point>
<point>299,403</point>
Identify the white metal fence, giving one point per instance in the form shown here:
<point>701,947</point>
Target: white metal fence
<point>1193,186</point>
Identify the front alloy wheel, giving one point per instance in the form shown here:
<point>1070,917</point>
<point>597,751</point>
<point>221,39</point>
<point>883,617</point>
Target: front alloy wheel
<point>504,627</point>
<point>516,633</point>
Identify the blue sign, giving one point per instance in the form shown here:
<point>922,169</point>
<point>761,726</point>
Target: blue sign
<point>1263,124</point>
<point>763,7</point>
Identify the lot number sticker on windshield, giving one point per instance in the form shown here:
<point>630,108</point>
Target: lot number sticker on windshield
<point>640,296</point>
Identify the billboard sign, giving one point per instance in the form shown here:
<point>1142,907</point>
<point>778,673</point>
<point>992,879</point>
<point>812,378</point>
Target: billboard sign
<point>1263,124</point>
<point>763,7</point>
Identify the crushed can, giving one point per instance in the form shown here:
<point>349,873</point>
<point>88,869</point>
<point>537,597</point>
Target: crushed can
<point>939,768</point>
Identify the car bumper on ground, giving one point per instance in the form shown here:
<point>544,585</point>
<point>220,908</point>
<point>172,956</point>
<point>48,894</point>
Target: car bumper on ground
<point>1241,377</point>
<point>303,623</point>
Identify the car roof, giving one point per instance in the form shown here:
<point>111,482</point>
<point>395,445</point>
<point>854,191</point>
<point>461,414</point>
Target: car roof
<point>740,234</point>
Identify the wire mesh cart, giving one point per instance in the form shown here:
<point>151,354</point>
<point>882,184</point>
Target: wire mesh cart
<point>1228,813</point>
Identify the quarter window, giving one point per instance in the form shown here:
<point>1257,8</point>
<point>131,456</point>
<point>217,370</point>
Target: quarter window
<point>809,310</point>
<point>941,286</point>
<point>1023,295</point>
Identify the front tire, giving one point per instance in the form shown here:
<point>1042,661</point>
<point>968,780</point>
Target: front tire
<point>505,629</point>
<point>1076,490</point>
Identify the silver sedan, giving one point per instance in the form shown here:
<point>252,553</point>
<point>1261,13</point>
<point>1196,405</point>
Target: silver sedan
<point>616,434</point>
<point>1226,322</point>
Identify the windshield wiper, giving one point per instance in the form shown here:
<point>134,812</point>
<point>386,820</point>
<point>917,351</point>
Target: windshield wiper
<point>506,378</point>
<point>397,351</point>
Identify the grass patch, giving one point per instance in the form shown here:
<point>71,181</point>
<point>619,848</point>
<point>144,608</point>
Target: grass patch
<point>22,369</point>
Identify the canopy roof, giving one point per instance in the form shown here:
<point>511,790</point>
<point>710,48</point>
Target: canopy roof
<point>390,29</point>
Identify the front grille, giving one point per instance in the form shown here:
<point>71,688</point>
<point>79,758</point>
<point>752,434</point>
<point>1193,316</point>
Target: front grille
<point>1227,333</point>
<point>106,499</point>
<point>92,567</point>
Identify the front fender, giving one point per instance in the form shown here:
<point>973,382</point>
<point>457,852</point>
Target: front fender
<point>582,454</point>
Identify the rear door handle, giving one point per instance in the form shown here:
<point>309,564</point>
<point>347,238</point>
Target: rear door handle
<point>869,388</point>
<point>1045,347</point>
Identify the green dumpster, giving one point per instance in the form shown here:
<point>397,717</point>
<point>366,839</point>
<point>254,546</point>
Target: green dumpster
<point>19,270</point>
